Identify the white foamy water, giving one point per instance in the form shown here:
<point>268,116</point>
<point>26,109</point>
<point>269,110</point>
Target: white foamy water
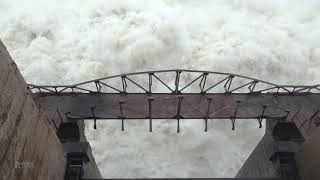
<point>73,41</point>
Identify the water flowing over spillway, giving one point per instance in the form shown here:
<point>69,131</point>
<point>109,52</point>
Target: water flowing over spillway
<point>70,42</point>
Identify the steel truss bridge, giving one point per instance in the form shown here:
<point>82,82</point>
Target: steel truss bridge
<point>181,94</point>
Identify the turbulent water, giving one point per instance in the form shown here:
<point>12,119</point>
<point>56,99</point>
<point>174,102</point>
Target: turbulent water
<point>72,41</point>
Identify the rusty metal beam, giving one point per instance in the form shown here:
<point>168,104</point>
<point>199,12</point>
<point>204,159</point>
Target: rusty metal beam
<point>300,108</point>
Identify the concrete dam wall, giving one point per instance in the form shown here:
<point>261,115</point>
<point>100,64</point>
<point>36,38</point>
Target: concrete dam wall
<point>29,147</point>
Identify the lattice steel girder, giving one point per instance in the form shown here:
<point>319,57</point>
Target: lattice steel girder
<point>301,108</point>
<point>208,82</point>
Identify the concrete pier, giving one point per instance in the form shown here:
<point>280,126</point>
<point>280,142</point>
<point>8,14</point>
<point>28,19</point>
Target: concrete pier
<point>258,163</point>
<point>274,156</point>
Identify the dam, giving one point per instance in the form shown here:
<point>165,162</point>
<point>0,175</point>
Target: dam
<point>42,127</point>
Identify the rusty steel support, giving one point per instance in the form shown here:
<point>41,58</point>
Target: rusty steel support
<point>299,108</point>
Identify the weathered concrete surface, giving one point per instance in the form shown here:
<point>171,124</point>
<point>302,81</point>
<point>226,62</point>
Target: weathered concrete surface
<point>258,163</point>
<point>308,158</point>
<point>29,147</point>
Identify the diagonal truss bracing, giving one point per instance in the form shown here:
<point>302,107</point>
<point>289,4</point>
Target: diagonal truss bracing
<point>230,83</point>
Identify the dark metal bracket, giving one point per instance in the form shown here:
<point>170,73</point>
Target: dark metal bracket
<point>233,118</point>
<point>178,116</point>
<point>94,118</point>
<point>150,113</point>
<point>262,116</point>
<point>207,115</point>
<point>121,115</point>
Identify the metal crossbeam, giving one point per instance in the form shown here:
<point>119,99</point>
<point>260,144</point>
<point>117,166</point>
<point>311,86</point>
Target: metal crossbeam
<point>300,108</point>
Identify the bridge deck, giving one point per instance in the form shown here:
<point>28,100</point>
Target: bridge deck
<point>302,108</point>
